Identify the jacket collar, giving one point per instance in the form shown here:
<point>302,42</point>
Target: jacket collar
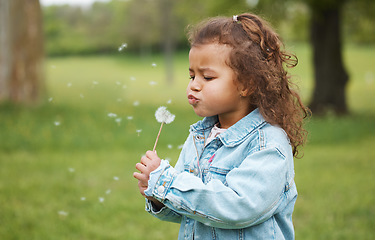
<point>237,132</point>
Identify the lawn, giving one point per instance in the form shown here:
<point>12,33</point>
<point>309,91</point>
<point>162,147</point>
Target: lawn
<point>66,165</point>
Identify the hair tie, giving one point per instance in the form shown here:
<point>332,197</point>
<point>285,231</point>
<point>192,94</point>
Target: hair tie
<point>235,18</point>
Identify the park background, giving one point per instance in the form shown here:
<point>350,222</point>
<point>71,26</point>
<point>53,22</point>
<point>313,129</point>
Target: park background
<point>67,157</point>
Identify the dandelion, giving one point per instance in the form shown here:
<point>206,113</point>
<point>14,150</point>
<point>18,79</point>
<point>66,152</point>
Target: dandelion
<point>124,86</point>
<point>136,103</point>
<point>170,146</point>
<point>138,131</point>
<point>112,115</point>
<point>71,170</point>
<point>69,84</point>
<point>95,82</point>
<point>57,123</point>
<point>118,83</point>
<point>83,199</point>
<point>81,95</point>
<point>132,78</point>
<point>50,99</point>
<point>169,101</point>
<point>108,191</point>
<point>116,178</point>
<point>101,199</point>
<point>162,115</point>
<point>153,64</point>
<point>130,117</point>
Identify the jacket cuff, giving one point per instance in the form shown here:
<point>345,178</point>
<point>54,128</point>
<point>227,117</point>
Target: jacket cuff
<point>160,181</point>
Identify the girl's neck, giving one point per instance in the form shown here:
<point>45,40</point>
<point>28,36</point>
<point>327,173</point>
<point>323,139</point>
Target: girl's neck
<point>226,121</point>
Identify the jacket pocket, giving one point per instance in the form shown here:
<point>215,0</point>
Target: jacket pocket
<point>218,173</point>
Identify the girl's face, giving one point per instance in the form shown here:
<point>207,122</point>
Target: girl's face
<point>212,89</point>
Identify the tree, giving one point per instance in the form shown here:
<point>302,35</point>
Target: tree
<point>21,51</point>
<point>331,76</point>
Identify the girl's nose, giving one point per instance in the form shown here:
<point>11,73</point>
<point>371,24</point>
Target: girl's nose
<point>194,85</point>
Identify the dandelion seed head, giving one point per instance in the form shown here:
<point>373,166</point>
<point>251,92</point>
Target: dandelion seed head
<point>124,86</point>
<point>130,117</point>
<point>50,99</point>
<point>81,95</point>
<point>116,178</point>
<point>153,64</point>
<point>95,82</point>
<point>69,84</point>
<point>83,199</point>
<point>71,170</point>
<point>169,101</point>
<point>57,123</point>
<point>118,83</point>
<point>132,78</point>
<point>118,120</point>
<point>101,199</point>
<point>162,115</point>
<point>136,103</point>
<point>170,146</point>
<point>108,191</point>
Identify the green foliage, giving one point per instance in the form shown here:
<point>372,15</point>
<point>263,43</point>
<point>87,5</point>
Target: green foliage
<point>45,169</point>
<point>103,27</point>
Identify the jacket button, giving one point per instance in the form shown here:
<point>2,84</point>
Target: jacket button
<point>195,171</point>
<point>161,189</point>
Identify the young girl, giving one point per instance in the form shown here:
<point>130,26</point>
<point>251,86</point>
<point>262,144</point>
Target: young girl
<point>234,176</point>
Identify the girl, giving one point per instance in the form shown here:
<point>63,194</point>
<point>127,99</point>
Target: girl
<point>234,176</point>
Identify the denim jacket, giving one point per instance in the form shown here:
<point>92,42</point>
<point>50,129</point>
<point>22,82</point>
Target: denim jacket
<point>238,186</point>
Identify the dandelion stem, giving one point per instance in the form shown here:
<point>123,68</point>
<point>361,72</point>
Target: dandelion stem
<point>157,138</point>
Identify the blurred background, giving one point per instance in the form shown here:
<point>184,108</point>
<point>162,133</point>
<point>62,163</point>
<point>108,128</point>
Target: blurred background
<point>80,82</point>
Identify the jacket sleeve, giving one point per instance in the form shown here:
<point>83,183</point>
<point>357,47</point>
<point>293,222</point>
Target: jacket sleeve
<point>165,213</point>
<point>252,194</point>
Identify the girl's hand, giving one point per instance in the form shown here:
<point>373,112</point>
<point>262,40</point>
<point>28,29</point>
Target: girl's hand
<point>149,163</point>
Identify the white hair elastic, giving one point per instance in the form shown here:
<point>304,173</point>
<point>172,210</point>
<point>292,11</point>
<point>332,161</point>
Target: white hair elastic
<point>235,18</point>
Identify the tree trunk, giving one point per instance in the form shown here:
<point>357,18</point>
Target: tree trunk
<point>330,75</point>
<point>21,51</point>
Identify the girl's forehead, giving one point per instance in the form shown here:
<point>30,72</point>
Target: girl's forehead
<point>211,56</point>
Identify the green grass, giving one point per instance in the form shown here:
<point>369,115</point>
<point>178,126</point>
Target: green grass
<point>46,169</point>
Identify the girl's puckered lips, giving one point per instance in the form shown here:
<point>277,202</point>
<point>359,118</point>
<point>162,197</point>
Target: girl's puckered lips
<point>192,99</point>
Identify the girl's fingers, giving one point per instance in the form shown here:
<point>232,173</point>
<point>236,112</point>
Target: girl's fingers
<point>141,167</point>
<point>145,160</point>
<point>141,177</point>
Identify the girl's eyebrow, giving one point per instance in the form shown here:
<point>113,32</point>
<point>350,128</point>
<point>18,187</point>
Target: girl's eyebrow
<point>203,69</point>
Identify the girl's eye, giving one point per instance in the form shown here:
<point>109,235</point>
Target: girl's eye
<point>208,78</point>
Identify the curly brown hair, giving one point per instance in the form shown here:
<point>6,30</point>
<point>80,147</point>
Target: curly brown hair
<point>260,65</point>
